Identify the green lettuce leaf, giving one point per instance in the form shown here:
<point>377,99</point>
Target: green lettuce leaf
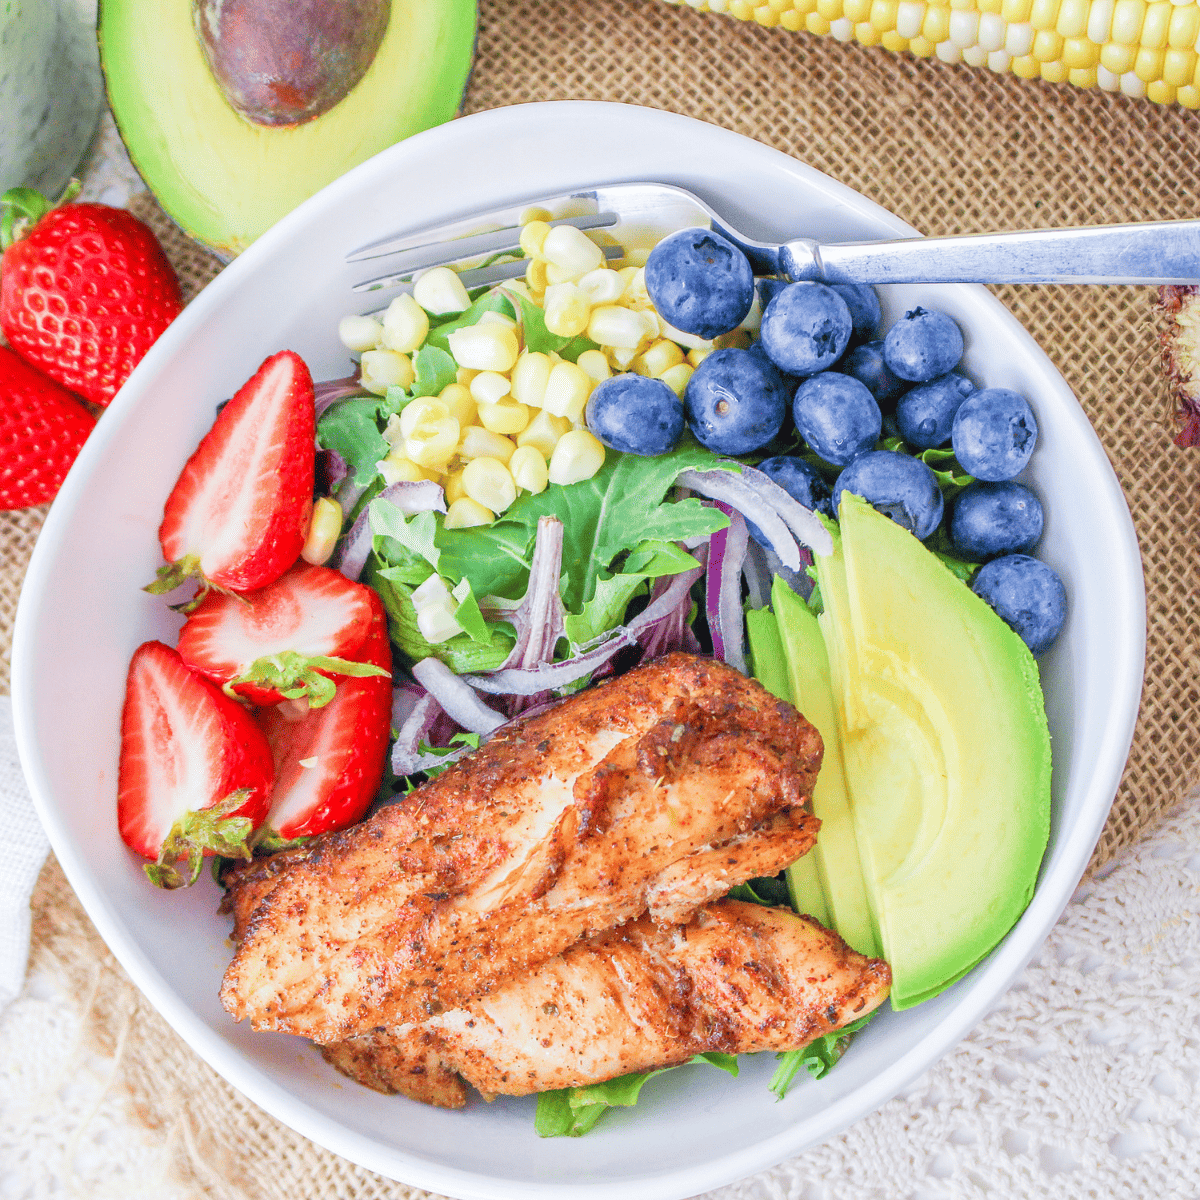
<point>605,610</point>
<point>538,338</point>
<point>435,370</point>
<point>818,1058</point>
<point>405,547</point>
<point>766,890</point>
<point>467,613</point>
<point>572,1112</point>
<point>351,427</point>
<point>616,510</point>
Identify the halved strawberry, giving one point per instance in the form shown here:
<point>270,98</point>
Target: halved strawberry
<point>329,763</point>
<point>238,515</point>
<point>195,771</point>
<point>284,641</point>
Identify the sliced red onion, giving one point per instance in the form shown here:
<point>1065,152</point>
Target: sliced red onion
<point>413,731</point>
<point>803,522</point>
<point>798,581</point>
<point>516,681</point>
<point>405,698</point>
<point>454,694</point>
<point>538,619</point>
<point>673,630</point>
<point>409,498</point>
<point>723,589</point>
<point>329,392</point>
<point>729,487</point>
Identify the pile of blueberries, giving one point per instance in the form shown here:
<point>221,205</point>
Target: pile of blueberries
<point>817,356</point>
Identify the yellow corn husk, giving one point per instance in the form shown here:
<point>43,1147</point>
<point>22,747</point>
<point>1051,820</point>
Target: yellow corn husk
<point>1140,48</point>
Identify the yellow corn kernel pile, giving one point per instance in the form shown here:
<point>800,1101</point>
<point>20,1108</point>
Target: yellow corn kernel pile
<point>514,419</point>
<point>1147,48</point>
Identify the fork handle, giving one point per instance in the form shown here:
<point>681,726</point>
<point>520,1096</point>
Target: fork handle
<point>1151,252</point>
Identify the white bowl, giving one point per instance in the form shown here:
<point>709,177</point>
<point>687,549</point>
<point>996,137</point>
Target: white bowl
<point>82,614</point>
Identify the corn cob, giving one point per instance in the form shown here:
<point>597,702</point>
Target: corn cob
<point>1139,48</point>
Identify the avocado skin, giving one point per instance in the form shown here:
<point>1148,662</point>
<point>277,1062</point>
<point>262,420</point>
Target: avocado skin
<point>946,748</point>
<point>225,180</point>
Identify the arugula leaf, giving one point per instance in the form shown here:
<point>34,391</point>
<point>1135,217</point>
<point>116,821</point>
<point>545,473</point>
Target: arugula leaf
<point>655,557</point>
<point>605,610</point>
<point>616,510</point>
<point>351,427</point>
<point>459,739</point>
<point>818,1057</point>
<point>572,1112</point>
<point>575,347</point>
<point>467,613</point>
<point>489,302</point>
<point>435,370</point>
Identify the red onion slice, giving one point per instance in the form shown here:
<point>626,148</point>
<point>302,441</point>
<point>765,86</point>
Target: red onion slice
<point>413,731</point>
<point>723,589</point>
<point>803,522</point>
<point>454,694</point>
<point>729,487</point>
<point>330,391</point>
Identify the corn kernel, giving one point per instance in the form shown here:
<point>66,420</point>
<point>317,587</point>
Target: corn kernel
<point>635,294</point>
<point>567,308</point>
<point>535,276</point>
<point>864,32</point>
<point>1160,92</point>
<point>365,333</point>
<point>543,432</point>
<point>636,256</point>
<point>567,391</point>
<point>936,26</point>
<point>496,318</point>
<point>459,402</point>
<point>533,237</point>
<point>433,442</point>
<point>324,529</point>
<point>529,378</point>
<point>610,325</point>
<point>677,378</point>
<point>1117,59</point>
<point>440,291</point>
<point>578,456</point>
<point>464,375</point>
<point>659,359</point>
<point>1188,96</point>
<point>1026,67</point>
<point>1084,76</point>
<point>698,354</point>
<point>484,347</point>
<point>465,513</point>
<point>1148,65</point>
<point>382,369</point>
<point>405,324</point>
<point>489,386</point>
<point>1156,26</point>
<point>572,251</point>
<point>595,364</point>
<point>1179,67</point>
<point>622,358</point>
<point>891,40</point>
<point>1047,46</point>
<point>488,482</point>
<point>1079,53</point>
<point>1072,18</point>
<point>396,468</point>
<point>529,469</point>
<point>504,416</point>
<point>690,340</point>
<point>478,442</point>
<point>426,408</point>
<point>535,214</point>
<point>1100,14</point>
<point>1128,16</point>
<point>1055,72</point>
<point>602,286</point>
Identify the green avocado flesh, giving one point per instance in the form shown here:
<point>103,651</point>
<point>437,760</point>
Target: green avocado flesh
<point>226,180</point>
<point>946,751</point>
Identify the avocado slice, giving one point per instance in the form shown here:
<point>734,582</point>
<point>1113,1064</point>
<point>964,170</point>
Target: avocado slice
<point>835,857</point>
<point>946,749</point>
<point>770,666</point>
<point>226,178</point>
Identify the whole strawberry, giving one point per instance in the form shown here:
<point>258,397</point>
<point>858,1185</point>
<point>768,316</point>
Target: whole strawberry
<point>41,430</point>
<point>85,290</point>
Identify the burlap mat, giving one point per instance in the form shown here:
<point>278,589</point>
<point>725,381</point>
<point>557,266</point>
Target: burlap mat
<point>950,149</point>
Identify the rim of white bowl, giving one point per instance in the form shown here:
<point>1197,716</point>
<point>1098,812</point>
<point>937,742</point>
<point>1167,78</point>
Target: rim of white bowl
<point>988,983</point>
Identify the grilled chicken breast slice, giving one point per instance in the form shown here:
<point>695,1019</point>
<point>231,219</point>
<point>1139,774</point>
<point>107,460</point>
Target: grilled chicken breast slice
<point>567,824</point>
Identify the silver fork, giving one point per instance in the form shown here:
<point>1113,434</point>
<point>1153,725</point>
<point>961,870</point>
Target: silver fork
<point>639,213</point>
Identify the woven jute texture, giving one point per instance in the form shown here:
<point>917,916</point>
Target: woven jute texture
<point>949,149</point>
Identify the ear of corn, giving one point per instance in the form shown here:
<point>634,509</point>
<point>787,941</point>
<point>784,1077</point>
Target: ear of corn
<point>1141,48</point>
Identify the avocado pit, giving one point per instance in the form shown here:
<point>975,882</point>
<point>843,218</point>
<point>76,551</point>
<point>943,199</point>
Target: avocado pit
<point>284,62</point>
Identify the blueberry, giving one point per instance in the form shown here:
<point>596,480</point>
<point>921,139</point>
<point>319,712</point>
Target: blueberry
<point>837,416</point>
<point>791,382</point>
<point>735,402</point>
<point>994,434</point>
<point>1027,595</point>
<point>806,328</point>
<point>801,480</point>
<point>923,345</point>
<point>925,415</point>
<point>768,288</point>
<point>899,486</point>
<point>700,282</point>
<point>865,313</point>
<point>635,414</point>
<point>995,518</point>
<point>866,364</point>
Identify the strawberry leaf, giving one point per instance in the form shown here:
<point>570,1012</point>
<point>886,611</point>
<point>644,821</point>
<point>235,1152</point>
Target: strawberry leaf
<point>213,829</point>
<point>298,676</point>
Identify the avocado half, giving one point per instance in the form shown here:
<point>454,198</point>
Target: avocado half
<point>224,175</point>
<point>946,750</point>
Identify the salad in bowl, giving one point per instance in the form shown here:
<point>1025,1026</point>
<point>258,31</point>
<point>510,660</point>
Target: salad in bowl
<point>583,650</point>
